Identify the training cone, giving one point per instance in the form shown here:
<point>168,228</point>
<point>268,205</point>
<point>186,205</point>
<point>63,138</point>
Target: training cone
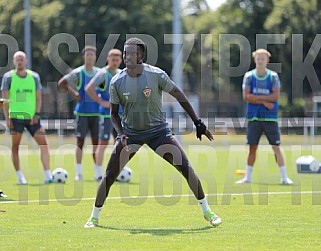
<point>239,172</point>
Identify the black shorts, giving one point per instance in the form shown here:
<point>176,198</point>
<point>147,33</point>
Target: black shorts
<point>105,128</point>
<point>255,129</point>
<point>153,140</point>
<point>20,124</point>
<point>87,124</point>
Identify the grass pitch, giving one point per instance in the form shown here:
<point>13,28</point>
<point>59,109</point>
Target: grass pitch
<point>157,211</point>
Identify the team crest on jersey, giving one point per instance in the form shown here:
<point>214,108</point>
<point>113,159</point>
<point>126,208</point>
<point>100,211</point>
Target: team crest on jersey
<point>147,91</point>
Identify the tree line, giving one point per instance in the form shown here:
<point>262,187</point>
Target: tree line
<point>106,24</point>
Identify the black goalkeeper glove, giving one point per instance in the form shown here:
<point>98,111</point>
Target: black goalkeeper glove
<point>200,128</point>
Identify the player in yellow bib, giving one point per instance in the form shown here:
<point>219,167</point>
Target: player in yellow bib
<point>23,88</point>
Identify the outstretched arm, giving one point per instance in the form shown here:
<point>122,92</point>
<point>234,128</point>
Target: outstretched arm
<point>184,102</point>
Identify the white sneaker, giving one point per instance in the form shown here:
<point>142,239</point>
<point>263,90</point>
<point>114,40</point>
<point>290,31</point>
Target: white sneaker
<point>22,181</point>
<point>243,181</point>
<point>287,182</point>
<point>213,218</point>
<point>92,222</point>
<point>78,177</point>
<point>49,181</point>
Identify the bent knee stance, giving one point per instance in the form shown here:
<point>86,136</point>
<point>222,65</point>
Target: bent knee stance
<point>104,187</point>
<point>192,179</point>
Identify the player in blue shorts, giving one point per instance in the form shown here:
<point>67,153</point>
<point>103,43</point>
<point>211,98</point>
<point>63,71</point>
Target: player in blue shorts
<point>86,110</point>
<point>261,90</point>
<point>102,81</point>
<point>138,89</point>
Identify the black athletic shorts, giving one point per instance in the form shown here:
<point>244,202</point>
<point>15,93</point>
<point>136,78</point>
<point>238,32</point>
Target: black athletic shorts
<point>255,129</point>
<point>105,128</point>
<point>153,140</point>
<point>20,124</point>
<point>87,124</point>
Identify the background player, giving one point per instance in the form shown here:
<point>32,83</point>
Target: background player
<point>261,91</point>
<point>86,110</point>
<point>102,81</point>
<point>138,88</point>
<point>23,88</point>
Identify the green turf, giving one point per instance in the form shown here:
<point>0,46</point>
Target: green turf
<point>283,220</point>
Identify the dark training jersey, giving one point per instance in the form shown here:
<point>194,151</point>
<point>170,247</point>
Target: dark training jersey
<point>141,99</point>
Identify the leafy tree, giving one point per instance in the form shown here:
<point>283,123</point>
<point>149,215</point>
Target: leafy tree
<point>296,17</point>
<point>79,18</point>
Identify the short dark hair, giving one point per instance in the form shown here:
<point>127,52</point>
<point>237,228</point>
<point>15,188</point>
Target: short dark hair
<point>136,41</point>
<point>88,48</point>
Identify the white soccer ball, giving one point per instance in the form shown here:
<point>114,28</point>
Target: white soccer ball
<point>315,165</point>
<point>125,175</point>
<point>59,175</point>
<point>308,163</point>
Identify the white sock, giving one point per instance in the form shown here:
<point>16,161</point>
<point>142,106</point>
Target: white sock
<point>98,171</point>
<point>283,173</point>
<point>48,175</point>
<point>248,174</point>
<point>204,205</point>
<point>20,175</point>
<point>78,169</point>
<point>96,212</point>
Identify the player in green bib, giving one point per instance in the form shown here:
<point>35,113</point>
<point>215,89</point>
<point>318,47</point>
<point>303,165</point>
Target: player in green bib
<point>23,88</point>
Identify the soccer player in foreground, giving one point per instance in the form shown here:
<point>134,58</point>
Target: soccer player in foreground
<point>102,81</point>
<point>261,91</point>
<point>138,89</point>
<point>86,110</point>
<point>22,87</point>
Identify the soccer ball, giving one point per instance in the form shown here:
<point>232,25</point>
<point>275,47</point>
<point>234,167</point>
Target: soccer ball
<point>125,175</point>
<point>307,164</point>
<point>59,175</point>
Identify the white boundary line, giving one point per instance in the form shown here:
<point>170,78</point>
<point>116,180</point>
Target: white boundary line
<point>158,196</point>
<point>88,148</point>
